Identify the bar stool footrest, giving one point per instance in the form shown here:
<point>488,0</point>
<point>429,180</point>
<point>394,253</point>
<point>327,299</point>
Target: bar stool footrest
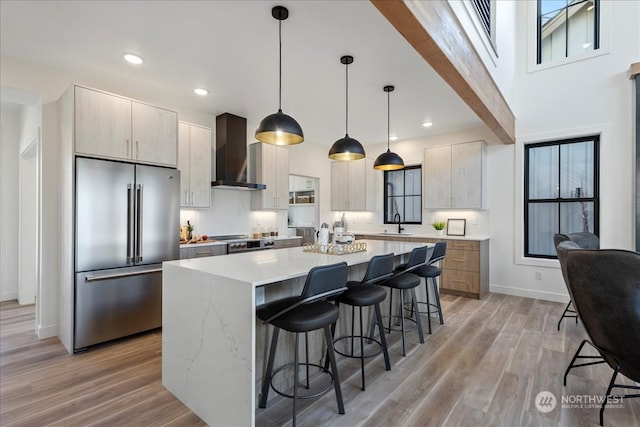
<point>433,308</point>
<point>357,337</point>
<point>398,328</point>
<point>304,396</point>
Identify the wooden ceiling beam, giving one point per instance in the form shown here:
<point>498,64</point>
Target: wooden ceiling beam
<point>432,28</point>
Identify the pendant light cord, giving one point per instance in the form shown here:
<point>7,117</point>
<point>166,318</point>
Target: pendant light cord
<point>388,118</point>
<point>346,119</point>
<point>280,65</point>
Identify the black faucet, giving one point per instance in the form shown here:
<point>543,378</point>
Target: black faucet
<point>396,218</point>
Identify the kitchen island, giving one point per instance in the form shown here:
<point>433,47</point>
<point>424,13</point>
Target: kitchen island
<point>212,346</point>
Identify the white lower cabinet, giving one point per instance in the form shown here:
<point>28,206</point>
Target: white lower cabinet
<point>194,163</point>
<point>353,185</point>
<point>454,176</point>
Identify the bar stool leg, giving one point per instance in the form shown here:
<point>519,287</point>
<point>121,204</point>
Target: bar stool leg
<point>437,295</point>
<point>404,349</point>
<point>266,382</point>
<point>361,348</point>
<point>295,380</point>
<point>418,322</point>
<point>383,340</point>
<point>334,369</point>
<point>306,351</point>
<point>426,289</point>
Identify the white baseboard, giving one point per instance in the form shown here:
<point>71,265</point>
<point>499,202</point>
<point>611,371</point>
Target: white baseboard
<point>8,296</point>
<point>530,293</point>
<point>47,331</point>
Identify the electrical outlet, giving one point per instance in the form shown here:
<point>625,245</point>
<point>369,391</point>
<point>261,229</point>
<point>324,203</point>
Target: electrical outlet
<point>538,275</point>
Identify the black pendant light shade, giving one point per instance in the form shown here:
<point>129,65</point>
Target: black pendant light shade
<point>279,128</point>
<point>346,148</point>
<point>388,161</point>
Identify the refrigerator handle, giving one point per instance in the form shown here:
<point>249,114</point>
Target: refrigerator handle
<point>130,213</point>
<point>138,248</point>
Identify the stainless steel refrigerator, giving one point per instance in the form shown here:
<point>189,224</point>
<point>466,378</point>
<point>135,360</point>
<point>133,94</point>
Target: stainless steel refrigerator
<point>127,223</point>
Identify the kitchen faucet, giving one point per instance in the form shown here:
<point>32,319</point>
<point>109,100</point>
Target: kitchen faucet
<point>396,218</point>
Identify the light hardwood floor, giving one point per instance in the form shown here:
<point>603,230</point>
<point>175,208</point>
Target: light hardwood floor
<point>484,367</point>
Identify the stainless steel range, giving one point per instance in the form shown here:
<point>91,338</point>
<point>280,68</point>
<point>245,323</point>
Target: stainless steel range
<point>242,243</point>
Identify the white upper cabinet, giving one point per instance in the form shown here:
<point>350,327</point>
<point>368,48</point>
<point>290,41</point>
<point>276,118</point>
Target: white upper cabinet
<point>155,132</point>
<point>115,127</point>
<point>269,166</point>
<point>194,162</point>
<point>454,176</point>
<point>353,185</point>
<point>102,124</point>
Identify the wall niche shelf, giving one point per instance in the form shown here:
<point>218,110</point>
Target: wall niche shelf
<point>303,197</point>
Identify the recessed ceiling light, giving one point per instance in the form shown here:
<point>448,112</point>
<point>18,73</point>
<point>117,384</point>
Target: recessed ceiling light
<point>201,91</point>
<point>393,137</point>
<point>427,124</point>
<point>133,59</point>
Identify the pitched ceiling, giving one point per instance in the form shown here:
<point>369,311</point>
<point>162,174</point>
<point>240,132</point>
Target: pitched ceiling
<point>231,48</point>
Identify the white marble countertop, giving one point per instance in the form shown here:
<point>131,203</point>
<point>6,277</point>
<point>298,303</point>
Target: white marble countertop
<point>419,235</point>
<point>262,267</point>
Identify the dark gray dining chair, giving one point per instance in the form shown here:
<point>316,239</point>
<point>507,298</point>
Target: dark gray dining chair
<point>583,240</point>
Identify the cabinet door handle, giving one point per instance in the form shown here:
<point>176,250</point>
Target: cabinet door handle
<point>136,148</point>
<point>186,198</point>
<point>459,281</point>
<point>192,199</point>
<point>128,149</point>
<point>458,260</point>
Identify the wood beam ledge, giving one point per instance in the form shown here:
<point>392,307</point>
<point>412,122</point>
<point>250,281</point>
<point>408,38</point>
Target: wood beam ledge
<point>634,70</point>
<point>434,31</point>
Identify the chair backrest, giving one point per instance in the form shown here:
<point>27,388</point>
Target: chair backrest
<point>562,249</point>
<point>583,239</point>
<point>325,281</point>
<point>606,290</point>
<point>439,252</point>
<point>380,268</point>
<point>417,257</point>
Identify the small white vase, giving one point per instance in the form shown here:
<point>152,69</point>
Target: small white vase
<point>439,232</point>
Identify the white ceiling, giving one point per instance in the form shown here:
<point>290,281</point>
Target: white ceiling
<point>231,48</point>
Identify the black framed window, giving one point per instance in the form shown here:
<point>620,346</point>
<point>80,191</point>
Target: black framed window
<point>403,195</point>
<point>566,28</point>
<point>561,192</point>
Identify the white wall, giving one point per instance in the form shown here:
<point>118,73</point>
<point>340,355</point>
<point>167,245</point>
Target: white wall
<point>9,154</point>
<point>591,95</point>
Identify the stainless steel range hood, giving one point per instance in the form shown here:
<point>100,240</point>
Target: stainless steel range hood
<point>231,154</point>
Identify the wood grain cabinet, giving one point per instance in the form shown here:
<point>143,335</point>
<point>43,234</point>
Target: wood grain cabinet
<point>286,243</point>
<point>115,127</point>
<point>454,176</point>
<point>196,251</point>
<point>270,166</point>
<point>353,186</point>
<point>465,268</point>
<point>194,162</point>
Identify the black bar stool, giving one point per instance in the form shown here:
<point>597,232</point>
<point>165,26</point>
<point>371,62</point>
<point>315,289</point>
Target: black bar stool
<point>308,312</point>
<point>403,280</point>
<point>365,294</point>
<point>431,271</point>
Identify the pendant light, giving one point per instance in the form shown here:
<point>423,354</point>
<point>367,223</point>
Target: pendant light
<point>279,128</point>
<point>388,161</point>
<point>346,148</point>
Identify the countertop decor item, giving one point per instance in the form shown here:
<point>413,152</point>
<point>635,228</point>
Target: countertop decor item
<point>336,249</point>
<point>346,148</point>
<point>388,161</point>
<point>456,227</point>
<point>439,227</point>
<point>279,128</point>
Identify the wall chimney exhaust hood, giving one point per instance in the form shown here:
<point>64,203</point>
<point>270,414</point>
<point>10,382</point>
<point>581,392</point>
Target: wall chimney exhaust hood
<point>231,154</point>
